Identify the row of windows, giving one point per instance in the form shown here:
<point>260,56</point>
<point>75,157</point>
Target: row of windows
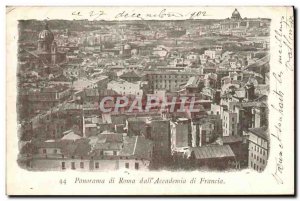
<point>255,167</point>
<point>124,93</point>
<point>169,76</point>
<point>81,165</point>
<point>127,88</point>
<point>54,151</point>
<point>136,166</point>
<point>225,118</point>
<point>167,83</point>
<point>225,125</point>
<point>227,132</point>
<point>170,81</point>
<point>259,149</point>
<point>258,158</point>
<point>73,165</point>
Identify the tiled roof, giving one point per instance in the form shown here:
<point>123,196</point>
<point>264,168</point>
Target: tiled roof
<point>260,132</point>
<point>138,147</point>
<point>108,146</point>
<point>71,136</point>
<point>143,148</point>
<point>214,151</point>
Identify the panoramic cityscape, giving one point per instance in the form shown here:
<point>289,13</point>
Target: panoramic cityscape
<point>144,95</point>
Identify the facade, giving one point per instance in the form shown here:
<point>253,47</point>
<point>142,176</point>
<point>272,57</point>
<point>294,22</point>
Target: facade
<point>258,148</point>
<point>230,125</point>
<point>87,155</point>
<point>181,135</point>
<point>127,88</point>
<point>160,135</point>
<point>168,81</point>
<point>43,99</point>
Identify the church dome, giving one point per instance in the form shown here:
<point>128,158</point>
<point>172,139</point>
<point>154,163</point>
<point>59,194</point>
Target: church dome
<point>46,35</point>
<point>236,15</point>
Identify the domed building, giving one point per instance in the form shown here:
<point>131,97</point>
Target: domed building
<point>239,24</point>
<point>47,49</point>
<point>45,40</point>
<point>236,15</point>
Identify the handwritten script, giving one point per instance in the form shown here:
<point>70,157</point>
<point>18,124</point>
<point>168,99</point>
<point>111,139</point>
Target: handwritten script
<point>284,37</point>
<point>134,14</point>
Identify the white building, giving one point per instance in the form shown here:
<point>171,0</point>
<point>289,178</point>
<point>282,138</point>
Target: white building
<point>123,87</point>
<point>229,124</point>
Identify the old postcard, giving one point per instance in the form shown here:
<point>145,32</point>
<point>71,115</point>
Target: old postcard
<point>150,100</point>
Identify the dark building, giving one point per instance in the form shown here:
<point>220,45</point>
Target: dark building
<point>213,156</point>
<point>160,135</point>
<point>47,49</point>
<point>130,76</point>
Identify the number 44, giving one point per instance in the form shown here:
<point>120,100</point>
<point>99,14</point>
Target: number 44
<point>63,181</point>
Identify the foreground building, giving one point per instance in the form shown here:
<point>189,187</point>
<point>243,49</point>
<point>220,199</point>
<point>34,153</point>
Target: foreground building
<point>213,156</point>
<point>100,153</point>
<point>258,148</point>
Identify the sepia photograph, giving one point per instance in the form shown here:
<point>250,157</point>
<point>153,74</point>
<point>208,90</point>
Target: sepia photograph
<point>151,92</point>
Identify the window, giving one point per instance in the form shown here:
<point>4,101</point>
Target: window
<point>73,165</point>
<point>97,165</point>
<point>55,151</point>
<point>136,166</point>
<point>44,151</point>
<point>81,165</point>
<point>127,165</point>
<point>251,164</point>
<point>63,165</point>
<point>115,153</point>
<point>252,155</point>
